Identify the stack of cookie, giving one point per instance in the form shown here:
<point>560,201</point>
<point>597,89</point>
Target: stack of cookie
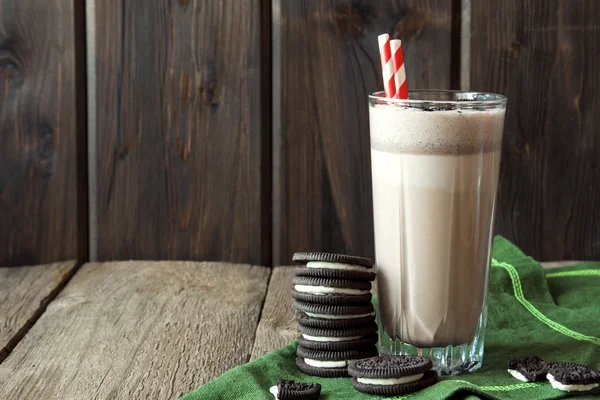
<point>336,319</point>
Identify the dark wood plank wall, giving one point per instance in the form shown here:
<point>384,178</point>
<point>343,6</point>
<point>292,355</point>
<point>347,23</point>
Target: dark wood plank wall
<point>42,199</point>
<point>329,65</point>
<point>184,129</point>
<point>181,140</point>
<point>545,56</point>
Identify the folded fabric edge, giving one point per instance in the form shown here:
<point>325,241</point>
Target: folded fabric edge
<point>506,251</point>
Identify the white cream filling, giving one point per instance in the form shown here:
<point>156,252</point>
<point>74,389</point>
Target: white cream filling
<point>518,375</point>
<point>330,265</point>
<point>329,338</point>
<point>274,391</point>
<point>328,290</point>
<point>390,381</point>
<point>328,316</point>
<point>326,364</point>
<point>569,388</point>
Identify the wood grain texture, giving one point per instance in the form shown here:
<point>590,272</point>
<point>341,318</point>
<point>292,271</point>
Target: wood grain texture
<point>277,326</point>
<point>39,133</point>
<point>545,56</point>
<point>329,64</point>
<point>24,294</point>
<point>183,154</point>
<point>143,330</point>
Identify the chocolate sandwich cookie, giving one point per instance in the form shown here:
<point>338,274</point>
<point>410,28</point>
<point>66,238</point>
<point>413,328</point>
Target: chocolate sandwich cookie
<point>329,363</point>
<point>357,354</point>
<point>336,334</point>
<point>290,390</point>
<point>337,339</point>
<point>314,285</point>
<point>528,369</point>
<point>340,261</point>
<point>330,311</point>
<point>339,344</point>
<point>333,299</point>
<point>325,287</point>
<point>391,375</point>
<point>327,273</point>
<point>334,323</point>
<point>331,291</point>
<point>324,372</point>
<point>570,377</point>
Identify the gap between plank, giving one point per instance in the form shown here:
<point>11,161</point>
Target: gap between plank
<point>276,132</point>
<point>266,171</point>
<point>262,307</point>
<point>20,334</point>
<point>92,149</point>
<point>82,173</point>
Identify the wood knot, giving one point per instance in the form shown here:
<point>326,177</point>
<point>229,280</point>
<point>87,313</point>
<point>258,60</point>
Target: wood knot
<point>409,26</point>
<point>11,69</point>
<point>514,48</point>
<point>209,95</point>
<point>348,20</point>
<point>122,152</point>
<point>520,145</point>
<point>44,156</point>
<point>184,3</point>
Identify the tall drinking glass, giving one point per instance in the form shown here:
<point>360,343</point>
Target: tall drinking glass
<point>434,161</point>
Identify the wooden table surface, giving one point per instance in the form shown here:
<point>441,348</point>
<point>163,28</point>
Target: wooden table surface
<point>136,329</point>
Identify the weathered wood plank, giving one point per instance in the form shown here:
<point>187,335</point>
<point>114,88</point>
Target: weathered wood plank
<point>24,294</point>
<point>329,63</point>
<point>556,264</point>
<point>277,326</point>
<point>183,152</point>
<point>544,55</point>
<point>39,134</point>
<point>127,330</point>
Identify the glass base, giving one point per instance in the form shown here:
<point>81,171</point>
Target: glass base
<point>448,360</point>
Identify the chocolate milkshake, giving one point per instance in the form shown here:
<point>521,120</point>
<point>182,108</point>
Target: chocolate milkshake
<point>435,176</point>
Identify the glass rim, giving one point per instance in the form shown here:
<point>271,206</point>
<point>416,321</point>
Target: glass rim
<point>494,99</point>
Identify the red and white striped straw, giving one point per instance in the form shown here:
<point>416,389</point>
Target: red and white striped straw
<point>399,72</point>
<point>387,65</point>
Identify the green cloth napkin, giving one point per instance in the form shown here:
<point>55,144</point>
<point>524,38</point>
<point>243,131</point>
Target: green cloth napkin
<point>553,314</point>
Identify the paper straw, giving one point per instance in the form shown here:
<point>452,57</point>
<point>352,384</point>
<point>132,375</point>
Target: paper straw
<point>387,65</point>
<point>399,72</point>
